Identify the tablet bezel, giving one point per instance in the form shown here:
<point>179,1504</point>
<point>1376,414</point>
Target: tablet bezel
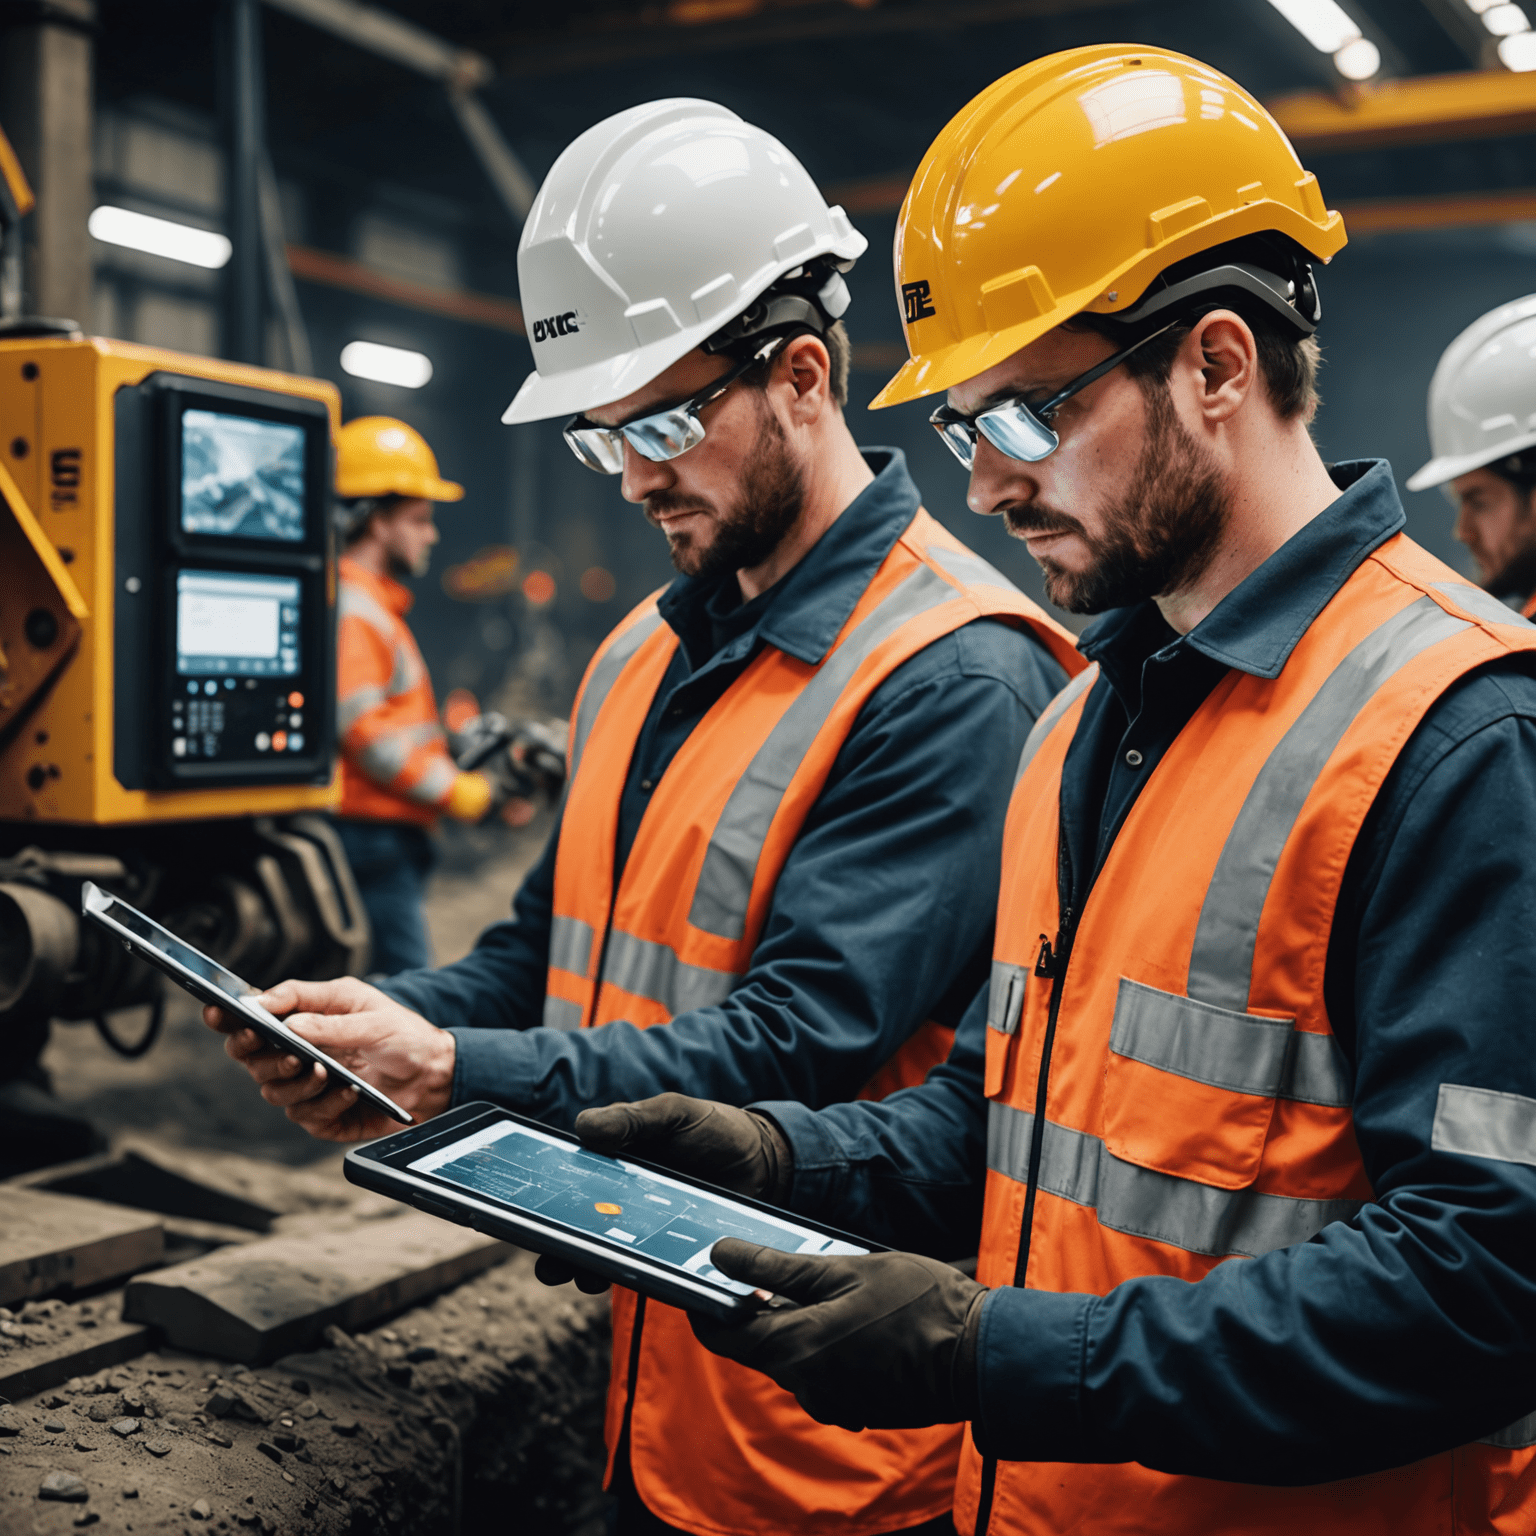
<point>384,1164</point>
<point>93,901</point>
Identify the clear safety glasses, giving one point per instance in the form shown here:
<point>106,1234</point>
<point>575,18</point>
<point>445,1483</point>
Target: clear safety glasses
<point>1020,430</point>
<point>659,435</point>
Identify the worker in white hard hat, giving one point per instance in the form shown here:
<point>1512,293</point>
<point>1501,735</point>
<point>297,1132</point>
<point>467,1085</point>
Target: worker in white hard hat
<point>397,774</point>
<point>1482,432</point>
<point>773,871</point>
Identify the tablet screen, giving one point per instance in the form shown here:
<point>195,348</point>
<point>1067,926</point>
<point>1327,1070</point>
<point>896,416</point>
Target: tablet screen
<point>615,1201</point>
<point>183,954</point>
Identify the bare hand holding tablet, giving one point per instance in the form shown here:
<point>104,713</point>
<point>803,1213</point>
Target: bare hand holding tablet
<point>210,983</point>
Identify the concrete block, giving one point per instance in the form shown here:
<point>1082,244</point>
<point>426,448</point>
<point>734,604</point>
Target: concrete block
<point>55,1243</point>
<point>61,1341</point>
<point>148,1179</point>
<point>271,1297</point>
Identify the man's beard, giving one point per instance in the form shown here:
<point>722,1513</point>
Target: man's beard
<point>1516,577</point>
<point>1160,540</point>
<point>767,507</point>
<point>404,570</point>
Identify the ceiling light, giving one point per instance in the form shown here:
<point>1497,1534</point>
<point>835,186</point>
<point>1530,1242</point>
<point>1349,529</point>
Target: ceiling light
<point>386,365</point>
<point>1477,7</point>
<point>159,237</point>
<point>1518,52</point>
<point>1321,22</point>
<point>1358,60</point>
<point>1506,20</point>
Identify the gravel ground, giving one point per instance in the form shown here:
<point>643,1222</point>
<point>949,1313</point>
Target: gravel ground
<point>477,1413</point>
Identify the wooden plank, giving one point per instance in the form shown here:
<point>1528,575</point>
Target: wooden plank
<point>51,1244</point>
<point>276,1295</point>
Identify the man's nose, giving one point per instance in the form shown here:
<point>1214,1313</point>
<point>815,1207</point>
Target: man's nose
<point>642,476</point>
<point>998,482</point>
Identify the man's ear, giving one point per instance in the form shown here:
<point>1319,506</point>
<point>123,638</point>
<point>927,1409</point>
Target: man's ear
<point>1223,350</point>
<point>808,367</point>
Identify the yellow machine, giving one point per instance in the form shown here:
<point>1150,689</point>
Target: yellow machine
<point>167,695</point>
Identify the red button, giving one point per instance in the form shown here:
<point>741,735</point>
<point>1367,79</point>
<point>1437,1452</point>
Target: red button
<point>295,701</point>
<point>279,741</point>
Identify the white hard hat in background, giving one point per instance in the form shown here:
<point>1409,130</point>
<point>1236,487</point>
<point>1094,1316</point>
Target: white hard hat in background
<point>1482,399</point>
<point>652,231</point>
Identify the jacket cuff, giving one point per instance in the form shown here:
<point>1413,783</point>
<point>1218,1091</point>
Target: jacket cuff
<point>819,1167</point>
<point>1029,1373</point>
<point>494,1064</point>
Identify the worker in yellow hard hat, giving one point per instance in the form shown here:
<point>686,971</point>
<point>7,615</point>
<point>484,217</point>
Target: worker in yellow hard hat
<point>397,775</point>
<point>1244,1125</point>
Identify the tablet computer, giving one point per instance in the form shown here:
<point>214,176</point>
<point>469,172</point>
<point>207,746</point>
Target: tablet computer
<point>209,982</point>
<point>629,1221</point>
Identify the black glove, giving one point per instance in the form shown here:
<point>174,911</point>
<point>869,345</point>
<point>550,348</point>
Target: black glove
<point>738,1149</point>
<point>882,1341</point>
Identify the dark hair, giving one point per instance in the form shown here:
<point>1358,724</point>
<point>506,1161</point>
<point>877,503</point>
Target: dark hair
<point>839,352</point>
<point>354,513</point>
<point>1518,470</point>
<point>1288,360</point>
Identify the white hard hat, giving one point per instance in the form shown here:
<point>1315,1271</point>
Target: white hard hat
<point>1482,399</point>
<point>652,231</point>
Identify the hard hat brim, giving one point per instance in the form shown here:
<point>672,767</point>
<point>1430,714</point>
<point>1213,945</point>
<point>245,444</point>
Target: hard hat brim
<point>583,389</point>
<point>426,487</point>
<point>1450,466</point>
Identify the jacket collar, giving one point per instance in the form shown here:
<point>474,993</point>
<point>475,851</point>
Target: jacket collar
<point>1256,626</point>
<point>805,612</point>
<point>396,598</point>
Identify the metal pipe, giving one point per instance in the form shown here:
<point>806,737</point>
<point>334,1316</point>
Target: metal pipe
<point>246,148</point>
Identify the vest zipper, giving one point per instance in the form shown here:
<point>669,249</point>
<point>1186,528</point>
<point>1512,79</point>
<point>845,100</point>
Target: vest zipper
<point>622,1451</point>
<point>1052,964</point>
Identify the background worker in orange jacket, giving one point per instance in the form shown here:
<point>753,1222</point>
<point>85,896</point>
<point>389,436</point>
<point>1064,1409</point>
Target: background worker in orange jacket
<point>1482,434</point>
<point>788,774</point>
<point>397,776</point>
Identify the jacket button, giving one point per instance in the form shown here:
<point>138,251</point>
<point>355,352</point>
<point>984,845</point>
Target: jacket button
<point>647,783</point>
<point>1133,757</point>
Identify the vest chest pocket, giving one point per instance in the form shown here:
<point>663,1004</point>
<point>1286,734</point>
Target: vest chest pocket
<point>1189,1088</point>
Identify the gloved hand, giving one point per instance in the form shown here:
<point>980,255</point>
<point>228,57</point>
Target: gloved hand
<point>738,1149</point>
<point>881,1341</point>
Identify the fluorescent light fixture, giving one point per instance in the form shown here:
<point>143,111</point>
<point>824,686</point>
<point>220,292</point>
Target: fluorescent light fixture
<point>1477,7</point>
<point>1518,52</point>
<point>1506,20</point>
<point>1358,60</point>
<point>1321,22</point>
<point>159,237</point>
<point>386,365</point>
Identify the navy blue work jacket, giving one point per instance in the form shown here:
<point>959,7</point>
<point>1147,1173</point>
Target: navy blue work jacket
<point>882,916</point>
<point>1405,1331</point>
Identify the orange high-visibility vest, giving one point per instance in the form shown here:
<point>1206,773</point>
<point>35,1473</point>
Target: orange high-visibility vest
<point>713,1446</point>
<point>394,756</point>
<point>1197,1106</point>
<point>1529,611</point>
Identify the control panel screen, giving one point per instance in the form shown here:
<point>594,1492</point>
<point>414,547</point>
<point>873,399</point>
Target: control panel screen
<point>236,625</point>
<point>242,477</point>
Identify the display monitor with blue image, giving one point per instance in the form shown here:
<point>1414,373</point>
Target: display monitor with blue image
<point>242,477</point>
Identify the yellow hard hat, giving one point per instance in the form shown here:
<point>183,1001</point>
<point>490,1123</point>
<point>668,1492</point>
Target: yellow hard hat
<point>379,456</point>
<point>1069,185</point>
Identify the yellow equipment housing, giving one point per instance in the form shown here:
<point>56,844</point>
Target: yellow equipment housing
<point>60,592</point>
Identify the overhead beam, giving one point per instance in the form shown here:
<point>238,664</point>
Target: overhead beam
<point>390,37</point>
<point>1477,104</point>
<point>693,28</point>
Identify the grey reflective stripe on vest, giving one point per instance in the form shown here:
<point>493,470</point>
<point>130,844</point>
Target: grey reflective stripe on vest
<point>1480,604</point>
<point>1241,1051</point>
<point>1005,997</point>
<point>386,756</point>
<point>355,705</point>
<point>1221,959</point>
<point>653,970</point>
<point>570,945</point>
<point>724,886</point>
<point>560,1014</point>
<point>968,568</point>
<point>1145,1203</point>
<point>604,676</point>
<point>354,602</point>
<point>1514,1437</point>
<point>1051,714</point>
<point>1485,1122</point>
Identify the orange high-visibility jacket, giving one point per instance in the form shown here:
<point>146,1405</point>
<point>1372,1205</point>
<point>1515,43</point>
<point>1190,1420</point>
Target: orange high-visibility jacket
<point>394,756</point>
<point>1197,1107</point>
<point>715,1447</point>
